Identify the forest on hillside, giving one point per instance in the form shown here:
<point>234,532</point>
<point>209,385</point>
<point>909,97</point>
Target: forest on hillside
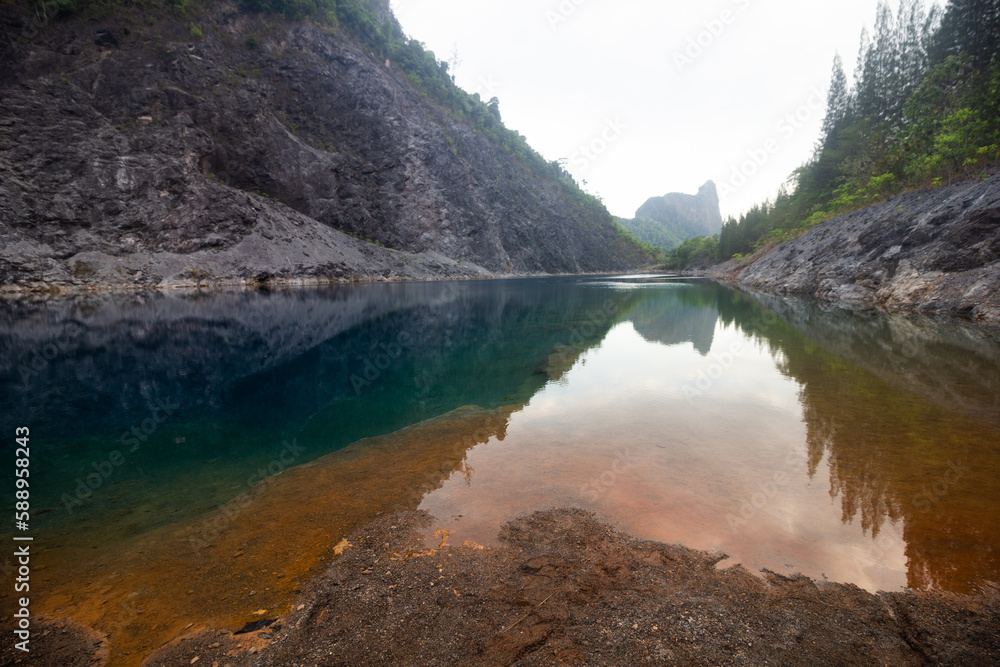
<point>922,111</point>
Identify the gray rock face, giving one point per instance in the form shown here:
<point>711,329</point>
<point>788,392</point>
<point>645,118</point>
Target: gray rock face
<point>934,252</point>
<point>684,215</point>
<point>129,158</point>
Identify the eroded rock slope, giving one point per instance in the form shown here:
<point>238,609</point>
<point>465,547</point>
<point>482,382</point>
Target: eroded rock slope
<point>934,252</point>
<point>234,147</point>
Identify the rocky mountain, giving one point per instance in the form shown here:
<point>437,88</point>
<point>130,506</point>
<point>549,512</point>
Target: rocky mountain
<point>668,220</point>
<point>157,147</point>
<point>930,251</point>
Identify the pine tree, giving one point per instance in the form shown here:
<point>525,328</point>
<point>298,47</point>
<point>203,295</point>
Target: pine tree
<point>913,24</point>
<point>892,62</point>
<point>884,83</point>
<point>859,68</point>
<point>970,26</point>
<point>837,103</point>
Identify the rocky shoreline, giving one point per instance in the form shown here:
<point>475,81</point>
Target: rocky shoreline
<point>934,252</point>
<point>564,588</point>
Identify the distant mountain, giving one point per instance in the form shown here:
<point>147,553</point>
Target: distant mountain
<point>668,220</point>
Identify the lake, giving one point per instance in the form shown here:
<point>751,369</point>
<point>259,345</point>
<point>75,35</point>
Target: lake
<point>196,456</point>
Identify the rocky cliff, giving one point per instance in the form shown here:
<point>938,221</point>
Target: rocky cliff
<point>929,251</point>
<point>666,221</point>
<point>223,146</point>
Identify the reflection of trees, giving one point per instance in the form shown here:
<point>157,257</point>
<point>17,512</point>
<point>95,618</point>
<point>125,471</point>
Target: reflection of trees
<point>892,453</point>
<point>856,470</point>
<point>819,437</point>
<point>956,366</point>
<point>884,450</point>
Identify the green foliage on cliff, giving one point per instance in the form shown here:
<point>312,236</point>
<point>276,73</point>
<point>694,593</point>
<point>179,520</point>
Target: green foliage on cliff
<point>923,110</point>
<point>652,232</point>
<point>372,23</point>
<point>697,250</point>
<point>655,251</point>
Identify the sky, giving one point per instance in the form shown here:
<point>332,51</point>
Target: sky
<point>643,98</point>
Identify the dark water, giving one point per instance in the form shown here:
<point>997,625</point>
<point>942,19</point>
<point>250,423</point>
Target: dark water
<point>859,447</point>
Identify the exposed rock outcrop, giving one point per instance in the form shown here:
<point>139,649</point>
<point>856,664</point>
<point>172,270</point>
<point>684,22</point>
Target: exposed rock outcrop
<point>928,251</point>
<point>563,588</point>
<point>666,221</point>
<point>246,148</point>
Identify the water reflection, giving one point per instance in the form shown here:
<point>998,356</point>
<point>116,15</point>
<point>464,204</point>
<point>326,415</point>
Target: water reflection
<point>905,413</point>
<point>246,372</point>
<point>909,467</point>
<point>862,447</point>
<point>686,318</point>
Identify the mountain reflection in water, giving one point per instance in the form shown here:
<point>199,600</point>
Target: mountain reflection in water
<point>862,447</point>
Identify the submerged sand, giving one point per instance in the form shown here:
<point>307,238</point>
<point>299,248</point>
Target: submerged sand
<point>564,588</point>
<point>334,567</point>
<point>249,558</point>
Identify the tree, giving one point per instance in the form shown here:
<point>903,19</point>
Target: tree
<point>837,103</point>
<point>494,106</point>
<point>454,61</point>
<point>892,62</point>
<point>972,27</point>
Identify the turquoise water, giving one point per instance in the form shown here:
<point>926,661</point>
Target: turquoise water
<point>246,375</point>
<point>861,447</point>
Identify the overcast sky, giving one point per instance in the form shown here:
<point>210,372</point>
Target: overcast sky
<point>643,97</point>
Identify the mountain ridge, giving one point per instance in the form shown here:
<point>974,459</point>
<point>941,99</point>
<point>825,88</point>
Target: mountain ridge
<point>669,220</point>
<point>240,147</point>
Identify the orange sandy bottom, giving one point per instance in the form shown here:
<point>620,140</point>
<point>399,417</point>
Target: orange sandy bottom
<point>474,469</point>
<point>248,559</point>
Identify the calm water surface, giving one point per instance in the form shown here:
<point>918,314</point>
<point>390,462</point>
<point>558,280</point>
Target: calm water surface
<point>182,438</point>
